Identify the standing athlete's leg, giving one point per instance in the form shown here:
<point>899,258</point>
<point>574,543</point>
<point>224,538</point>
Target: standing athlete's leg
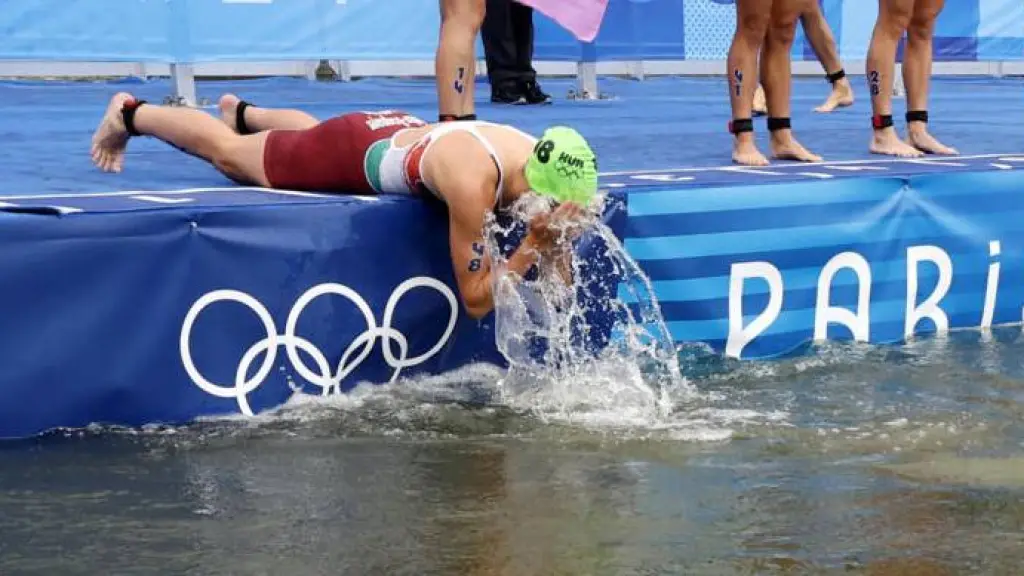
<point>244,118</point>
<point>917,73</point>
<point>819,35</point>
<point>752,17</point>
<point>893,19</point>
<point>192,131</point>
<point>777,77</point>
<point>455,63</point>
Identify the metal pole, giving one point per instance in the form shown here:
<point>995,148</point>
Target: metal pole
<point>586,73</point>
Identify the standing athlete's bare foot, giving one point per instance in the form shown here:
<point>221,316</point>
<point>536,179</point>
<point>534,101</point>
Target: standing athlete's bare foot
<point>920,139</point>
<point>111,137</point>
<point>785,147</point>
<point>228,104</point>
<point>745,152</point>
<point>841,97</point>
<point>888,143</point>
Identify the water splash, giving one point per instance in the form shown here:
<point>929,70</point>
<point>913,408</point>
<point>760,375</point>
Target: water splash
<point>595,350</point>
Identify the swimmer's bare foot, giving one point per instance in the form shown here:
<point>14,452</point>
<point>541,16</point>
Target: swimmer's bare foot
<point>760,106</point>
<point>841,97</point>
<point>111,137</point>
<point>920,139</point>
<point>228,104</point>
<point>745,152</point>
<point>888,143</point>
<point>785,147</point>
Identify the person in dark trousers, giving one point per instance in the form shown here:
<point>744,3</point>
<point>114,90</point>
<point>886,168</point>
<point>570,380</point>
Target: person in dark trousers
<point>507,35</point>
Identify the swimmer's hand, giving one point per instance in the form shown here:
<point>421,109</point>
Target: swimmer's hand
<point>552,234</point>
<point>551,231</point>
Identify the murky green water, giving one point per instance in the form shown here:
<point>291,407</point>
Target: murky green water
<point>850,460</point>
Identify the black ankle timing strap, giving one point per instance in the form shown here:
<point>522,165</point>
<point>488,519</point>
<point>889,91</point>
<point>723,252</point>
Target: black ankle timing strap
<point>240,126</point>
<point>883,121</point>
<point>128,115</point>
<point>776,124</point>
<point>455,117</point>
<point>917,116</point>
<point>836,76</point>
<point>741,125</point>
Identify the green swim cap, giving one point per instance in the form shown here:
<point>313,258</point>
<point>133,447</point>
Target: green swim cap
<point>563,167</point>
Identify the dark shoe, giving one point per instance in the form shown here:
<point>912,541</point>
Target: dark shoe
<point>533,93</point>
<point>507,94</point>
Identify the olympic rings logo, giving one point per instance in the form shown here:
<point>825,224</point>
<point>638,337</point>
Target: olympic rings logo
<point>353,356</point>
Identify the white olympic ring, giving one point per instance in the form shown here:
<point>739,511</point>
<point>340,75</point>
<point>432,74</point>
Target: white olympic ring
<point>292,343</point>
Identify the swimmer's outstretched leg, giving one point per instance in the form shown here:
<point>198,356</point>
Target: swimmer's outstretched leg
<point>819,35</point>
<point>192,131</point>
<point>254,119</point>
<point>893,19</point>
<point>752,17</point>
<point>917,72</point>
<point>777,77</point>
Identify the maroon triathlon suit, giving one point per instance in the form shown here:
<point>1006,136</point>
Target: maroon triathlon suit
<point>352,153</point>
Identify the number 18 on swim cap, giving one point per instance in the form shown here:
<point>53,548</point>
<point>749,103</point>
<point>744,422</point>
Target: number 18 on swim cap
<point>563,167</point>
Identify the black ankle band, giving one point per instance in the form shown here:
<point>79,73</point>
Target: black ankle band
<point>741,125</point>
<point>455,117</point>
<point>836,76</point>
<point>879,122</point>
<point>776,124</point>
<point>128,115</point>
<point>917,116</point>
<point>240,126</point>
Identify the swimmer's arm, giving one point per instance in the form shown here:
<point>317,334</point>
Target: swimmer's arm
<point>467,179</point>
<point>473,264</point>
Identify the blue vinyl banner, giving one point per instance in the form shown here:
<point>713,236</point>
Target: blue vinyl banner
<point>758,271</point>
<point>223,301</point>
<point>147,307</point>
<point>267,30</point>
<point>135,31</point>
<point>174,313</point>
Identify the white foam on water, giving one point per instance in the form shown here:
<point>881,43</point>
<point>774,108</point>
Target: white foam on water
<point>416,392</point>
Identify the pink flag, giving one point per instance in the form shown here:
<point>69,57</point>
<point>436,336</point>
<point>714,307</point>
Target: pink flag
<point>581,17</point>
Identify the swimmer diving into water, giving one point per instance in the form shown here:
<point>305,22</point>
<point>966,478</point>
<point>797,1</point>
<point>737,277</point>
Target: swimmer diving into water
<point>473,167</point>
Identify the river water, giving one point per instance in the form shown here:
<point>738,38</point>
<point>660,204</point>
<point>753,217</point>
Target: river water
<point>847,460</point>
